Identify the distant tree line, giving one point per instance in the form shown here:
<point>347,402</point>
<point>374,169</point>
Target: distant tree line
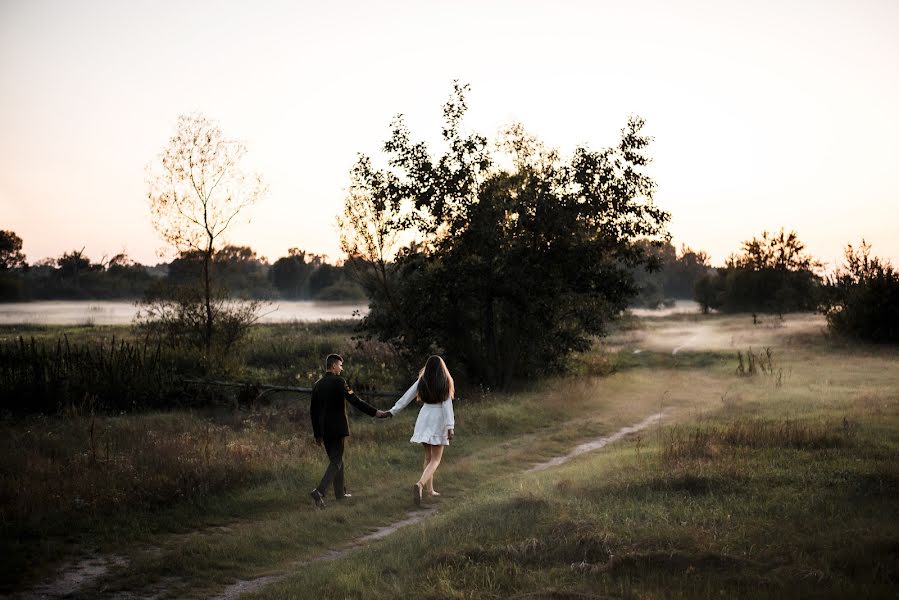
<point>774,274</point>
<point>75,276</point>
<point>674,277</point>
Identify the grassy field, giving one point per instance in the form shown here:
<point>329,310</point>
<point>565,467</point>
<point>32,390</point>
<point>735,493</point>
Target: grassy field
<point>760,487</point>
<point>779,484</point>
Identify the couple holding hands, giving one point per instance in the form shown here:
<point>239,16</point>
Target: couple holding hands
<point>433,428</point>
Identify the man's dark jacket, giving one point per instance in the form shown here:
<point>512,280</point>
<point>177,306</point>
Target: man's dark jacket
<point>328,411</point>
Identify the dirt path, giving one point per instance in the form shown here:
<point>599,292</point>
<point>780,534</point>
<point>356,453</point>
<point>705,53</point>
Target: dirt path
<point>235,590</point>
<point>245,586</point>
<point>88,571</point>
<point>599,442</point>
<point>73,576</point>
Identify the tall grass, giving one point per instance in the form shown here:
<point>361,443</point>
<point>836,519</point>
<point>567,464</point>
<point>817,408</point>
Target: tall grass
<point>64,478</point>
<point>294,354</point>
<point>41,376</point>
<point>89,369</point>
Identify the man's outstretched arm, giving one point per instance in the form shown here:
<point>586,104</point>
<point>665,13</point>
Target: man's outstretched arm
<point>358,402</point>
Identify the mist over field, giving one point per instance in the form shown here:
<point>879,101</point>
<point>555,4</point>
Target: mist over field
<point>100,312</point>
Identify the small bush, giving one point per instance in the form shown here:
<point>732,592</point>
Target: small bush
<point>58,473</point>
<point>759,363</point>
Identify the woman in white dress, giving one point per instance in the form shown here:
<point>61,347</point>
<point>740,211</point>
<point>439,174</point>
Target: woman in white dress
<point>434,389</point>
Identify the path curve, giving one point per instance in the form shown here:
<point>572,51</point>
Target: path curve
<point>599,442</point>
<point>235,590</point>
<point>245,586</point>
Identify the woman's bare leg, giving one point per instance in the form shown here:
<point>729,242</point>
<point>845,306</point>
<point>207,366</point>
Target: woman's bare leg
<point>427,476</point>
<point>427,456</point>
<point>421,488</point>
<point>428,486</point>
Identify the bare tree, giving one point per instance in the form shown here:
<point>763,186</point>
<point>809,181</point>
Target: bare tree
<point>196,190</point>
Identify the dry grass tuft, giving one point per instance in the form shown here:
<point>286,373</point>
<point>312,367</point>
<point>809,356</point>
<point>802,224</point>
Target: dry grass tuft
<point>708,441</point>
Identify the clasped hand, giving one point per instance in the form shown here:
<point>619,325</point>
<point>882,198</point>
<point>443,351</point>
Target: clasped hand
<point>383,414</point>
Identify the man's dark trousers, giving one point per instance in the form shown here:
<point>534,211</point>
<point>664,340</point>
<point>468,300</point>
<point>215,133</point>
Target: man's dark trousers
<point>334,473</point>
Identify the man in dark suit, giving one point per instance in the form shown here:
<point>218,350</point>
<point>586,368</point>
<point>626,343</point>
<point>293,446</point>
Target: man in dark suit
<point>329,424</point>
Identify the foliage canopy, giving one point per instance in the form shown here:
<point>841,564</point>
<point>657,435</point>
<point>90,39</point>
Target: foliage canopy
<point>520,256</point>
<point>862,298</point>
<point>773,274</point>
<point>11,256</point>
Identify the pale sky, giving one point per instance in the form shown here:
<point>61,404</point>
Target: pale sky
<point>765,113</point>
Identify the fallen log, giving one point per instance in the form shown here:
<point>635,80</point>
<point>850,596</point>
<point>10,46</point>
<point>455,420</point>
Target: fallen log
<point>283,388</point>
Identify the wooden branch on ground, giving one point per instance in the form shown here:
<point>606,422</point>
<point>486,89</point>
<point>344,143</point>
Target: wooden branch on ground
<point>284,388</point>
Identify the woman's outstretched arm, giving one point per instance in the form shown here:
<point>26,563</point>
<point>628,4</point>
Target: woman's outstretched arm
<point>405,400</point>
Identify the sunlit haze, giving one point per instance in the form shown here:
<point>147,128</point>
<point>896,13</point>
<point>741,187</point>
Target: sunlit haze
<point>764,114</point>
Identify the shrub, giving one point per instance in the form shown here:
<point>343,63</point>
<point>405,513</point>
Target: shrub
<point>861,300</point>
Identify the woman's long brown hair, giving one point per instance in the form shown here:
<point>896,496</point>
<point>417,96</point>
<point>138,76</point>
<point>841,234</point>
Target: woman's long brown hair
<point>435,384</point>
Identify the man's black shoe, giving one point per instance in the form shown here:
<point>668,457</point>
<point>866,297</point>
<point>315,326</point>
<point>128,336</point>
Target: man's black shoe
<point>318,498</point>
<point>346,495</point>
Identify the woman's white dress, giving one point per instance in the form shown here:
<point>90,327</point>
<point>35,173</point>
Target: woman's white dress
<point>434,420</point>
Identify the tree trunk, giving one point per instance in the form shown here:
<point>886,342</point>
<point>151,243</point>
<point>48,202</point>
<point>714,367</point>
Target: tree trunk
<point>207,259</point>
<point>491,361</point>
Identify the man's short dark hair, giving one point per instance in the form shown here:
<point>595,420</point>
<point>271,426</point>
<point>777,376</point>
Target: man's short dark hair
<point>332,358</point>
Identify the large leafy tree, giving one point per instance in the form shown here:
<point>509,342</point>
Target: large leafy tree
<point>72,264</point>
<point>782,252</point>
<point>519,256</point>
<point>11,256</point>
